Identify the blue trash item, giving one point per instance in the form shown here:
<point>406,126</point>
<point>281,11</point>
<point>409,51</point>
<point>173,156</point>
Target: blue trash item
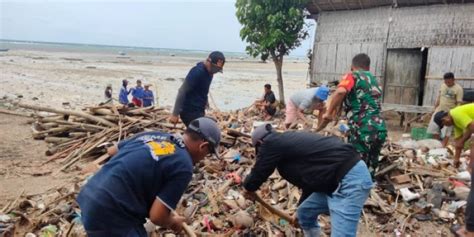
<point>343,128</point>
<point>236,158</point>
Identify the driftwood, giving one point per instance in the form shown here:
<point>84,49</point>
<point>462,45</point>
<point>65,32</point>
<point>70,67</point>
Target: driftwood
<point>68,112</point>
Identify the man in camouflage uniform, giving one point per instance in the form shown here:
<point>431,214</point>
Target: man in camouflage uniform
<point>363,96</point>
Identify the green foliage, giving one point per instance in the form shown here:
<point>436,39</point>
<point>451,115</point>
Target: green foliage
<point>272,27</point>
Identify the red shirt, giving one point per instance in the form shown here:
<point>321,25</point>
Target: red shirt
<point>347,82</point>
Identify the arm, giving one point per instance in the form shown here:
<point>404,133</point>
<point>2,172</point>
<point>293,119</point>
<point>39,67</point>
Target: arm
<point>436,103</point>
<point>161,212</point>
<point>263,168</point>
<point>162,216</point>
<point>459,96</point>
<point>112,150</point>
<point>335,102</point>
<point>461,140</point>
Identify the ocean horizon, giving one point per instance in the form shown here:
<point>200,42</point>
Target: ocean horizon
<point>118,49</point>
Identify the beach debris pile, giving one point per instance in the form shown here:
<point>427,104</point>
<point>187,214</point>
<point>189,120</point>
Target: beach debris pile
<point>416,182</point>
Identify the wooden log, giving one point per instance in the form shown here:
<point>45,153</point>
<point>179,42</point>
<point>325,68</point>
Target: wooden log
<point>77,134</point>
<point>275,211</point>
<point>102,111</point>
<point>60,154</point>
<point>236,133</point>
<point>15,113</point>
<point>48,125</point>
<point>57,140</point>
<point>69,112</point>
<point>89,127</point>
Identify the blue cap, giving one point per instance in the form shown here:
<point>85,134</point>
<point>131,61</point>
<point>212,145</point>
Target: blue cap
<point>322,93</point>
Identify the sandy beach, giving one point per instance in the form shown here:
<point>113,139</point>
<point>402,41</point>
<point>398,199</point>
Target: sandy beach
<point>51,77</point>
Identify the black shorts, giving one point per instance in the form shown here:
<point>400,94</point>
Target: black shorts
<point>470,208</point>
<point>270,110</point>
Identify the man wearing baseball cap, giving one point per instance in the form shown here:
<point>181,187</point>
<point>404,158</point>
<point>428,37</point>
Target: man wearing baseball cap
<point>145,178</point>
<point>309,99</point>
<point>330,173</point>
<point>191,100</point>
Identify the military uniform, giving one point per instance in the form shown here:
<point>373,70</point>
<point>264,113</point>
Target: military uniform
<point>367,128</point>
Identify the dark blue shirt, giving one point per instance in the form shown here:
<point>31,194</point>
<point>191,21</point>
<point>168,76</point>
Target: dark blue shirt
<point>148,98</point>
<point>147,167</point>
<point>192,95</point>
<point>137,92</point>
<point>123,95</point>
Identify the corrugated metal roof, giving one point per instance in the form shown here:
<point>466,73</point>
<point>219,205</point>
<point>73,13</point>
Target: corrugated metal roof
<point>316,6</point>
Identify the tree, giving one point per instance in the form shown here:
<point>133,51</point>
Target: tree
<point>272,27</point>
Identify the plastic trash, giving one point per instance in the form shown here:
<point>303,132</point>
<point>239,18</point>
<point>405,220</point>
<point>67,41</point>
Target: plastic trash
<point>441,153</point>
<point>465,175</point>
<point>409,195</point>
<point>430,143</point>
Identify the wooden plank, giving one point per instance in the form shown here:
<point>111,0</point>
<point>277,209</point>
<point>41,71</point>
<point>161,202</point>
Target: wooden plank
<point>407,108</point>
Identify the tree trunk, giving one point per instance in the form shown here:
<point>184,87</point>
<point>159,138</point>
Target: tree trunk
<point>278,65</point>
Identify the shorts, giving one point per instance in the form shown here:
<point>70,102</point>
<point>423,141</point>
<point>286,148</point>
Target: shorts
<point>433,128</point>
<point>291,112</point>
<point>270,110</point>
<point>137,102</point>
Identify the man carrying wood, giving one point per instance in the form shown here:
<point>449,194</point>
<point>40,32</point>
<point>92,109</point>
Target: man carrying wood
<point>367,131</point>
<point>450,95</point>
<point>309,99</point>
<point>192,100</point>
<point>145,178</point>
<point>462,118</point>
<point>330,173</point>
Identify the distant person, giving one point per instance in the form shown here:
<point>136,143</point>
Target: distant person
<point>123,94</point>
<point>192,97</point>
<point>309,99</point>
<point>450,95</point>
<point>462,117</point>
<point>148,98</point>
<point>137,94</point>
<point>108,93</point>
<point>363,94</point>
<point>267,104</point>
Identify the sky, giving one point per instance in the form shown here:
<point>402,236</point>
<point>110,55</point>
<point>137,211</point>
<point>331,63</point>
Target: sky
<point>192,24</point>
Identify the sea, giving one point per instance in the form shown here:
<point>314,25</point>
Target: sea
<point>120,50</point>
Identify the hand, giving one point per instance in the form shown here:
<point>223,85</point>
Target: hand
<point>177,223</point>
<point>252,196</point>
<point>327,118</point>
<point>456,163</point>
<point>459,144</point>
<point>173,119</point>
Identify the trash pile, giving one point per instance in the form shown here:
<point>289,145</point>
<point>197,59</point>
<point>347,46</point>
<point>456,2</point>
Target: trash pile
<point>416,182</point>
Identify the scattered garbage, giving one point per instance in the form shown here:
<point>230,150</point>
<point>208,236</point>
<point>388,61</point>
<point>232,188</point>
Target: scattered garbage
<point>415,180</point>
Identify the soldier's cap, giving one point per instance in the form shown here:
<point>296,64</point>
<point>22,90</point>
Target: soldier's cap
<point>208,129</point>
